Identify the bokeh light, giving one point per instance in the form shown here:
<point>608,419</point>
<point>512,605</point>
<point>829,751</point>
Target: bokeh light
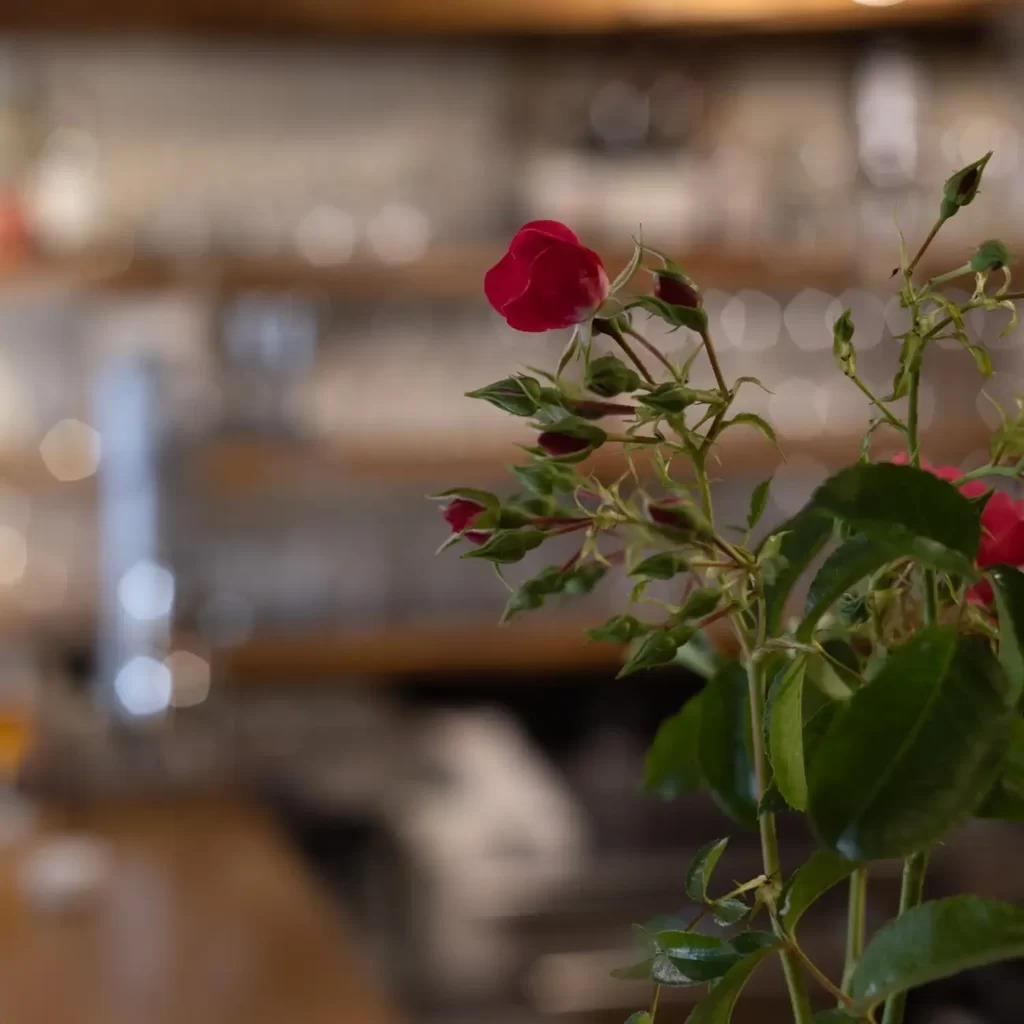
<point>71,450</point>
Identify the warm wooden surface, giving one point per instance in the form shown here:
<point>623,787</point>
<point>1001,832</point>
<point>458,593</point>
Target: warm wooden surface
<point>209,918</point>
<point>457,649</point>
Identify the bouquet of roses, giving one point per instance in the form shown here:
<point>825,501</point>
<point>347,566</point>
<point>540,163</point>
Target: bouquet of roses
<point>884,706</point>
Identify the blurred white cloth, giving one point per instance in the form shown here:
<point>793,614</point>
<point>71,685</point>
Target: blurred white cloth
<point>492,831</point>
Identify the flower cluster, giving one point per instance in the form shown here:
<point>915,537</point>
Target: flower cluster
<point>883,705</point>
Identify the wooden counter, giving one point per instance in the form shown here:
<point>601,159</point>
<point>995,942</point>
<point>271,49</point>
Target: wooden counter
<point>209,917</point>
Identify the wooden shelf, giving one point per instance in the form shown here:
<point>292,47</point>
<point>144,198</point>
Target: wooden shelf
<point>236,468</point>
<point>446,272</point>
<point>457,271</point>
<point>464,650</point>
<point>474,17</point>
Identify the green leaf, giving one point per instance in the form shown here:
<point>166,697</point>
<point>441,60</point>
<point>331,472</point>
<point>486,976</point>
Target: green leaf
<point>609,376</point>
<point>837,1015</point>
<point>701,868</point>
<point>842,344</point>
<point>911,352</point>
<point>583,578</point>
<point>665,971</point>
<point>532,592</point>
<point>634,972</point>
<point>848,564</point>
<point>512,394</point>
<point>490,501</point>
<point>1008,586</point>
<point>662,566</point>
<point>802,538</point>
<point>675,316</point>
<point>808,883</point>
<point>554,580</point>
<point>915,750</point>
<point>569,352</point>
<point>786,734</point>
<point>656,648</point>
<point>717,1006</point>
<point>1006,801</point>
<point>619,629</point>
<point>627,272</point>
<point>725,757</point>
<point>645,940</point>
<point>672,767</point>
<point>758,503</point>
<point>699,602</point>
<point>906,510</point>
<point>506,546</point>
<point>751,419</point>
<point>672,398</point>
<point>696,958</point>
<point>728,911</point>
<point>640,1017</point>
<point>936,940</point>
<point>981,359</point>
<point>699,656</point>
<point>546,478</point>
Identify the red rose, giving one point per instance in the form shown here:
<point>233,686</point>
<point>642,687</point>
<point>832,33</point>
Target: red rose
<point>547,279</point>
<point>460,514</point>
<point>1002,524</point>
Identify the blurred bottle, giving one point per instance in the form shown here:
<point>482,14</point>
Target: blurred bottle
<point>887,97</point>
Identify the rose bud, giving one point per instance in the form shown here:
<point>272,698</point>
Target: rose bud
<point>961,188</point>
<point>677,291</point>
<point>557,444</point>
<point>679,514</point>
<point>462,513</point>
<point>547,280</point>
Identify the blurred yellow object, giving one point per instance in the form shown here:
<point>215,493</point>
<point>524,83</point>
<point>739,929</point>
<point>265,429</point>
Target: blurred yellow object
<point>15,739</point>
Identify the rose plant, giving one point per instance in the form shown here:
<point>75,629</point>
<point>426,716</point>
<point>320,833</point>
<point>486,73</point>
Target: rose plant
<point>884,705</point>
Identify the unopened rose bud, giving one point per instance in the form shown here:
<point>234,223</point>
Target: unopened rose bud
<point>961,188</point>
<point>557,444</point>
<point>679,514</point>
<point>461,514</point>
<point>677,291</point>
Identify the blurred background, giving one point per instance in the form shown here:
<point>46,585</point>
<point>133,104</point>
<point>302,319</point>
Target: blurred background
<point>264,757</point>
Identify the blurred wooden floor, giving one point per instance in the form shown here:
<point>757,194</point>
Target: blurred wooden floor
<point>208,918</point>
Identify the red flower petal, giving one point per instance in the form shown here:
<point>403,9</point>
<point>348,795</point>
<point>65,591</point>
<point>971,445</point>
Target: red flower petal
<point>506,281</point>
<point>458,514</point>
<point>532,238</point>
<point>567,283</point>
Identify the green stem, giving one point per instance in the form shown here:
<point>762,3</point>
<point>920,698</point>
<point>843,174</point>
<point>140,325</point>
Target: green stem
<point>855,923</point>
<point>942,324</point>
<point>653,1012</point>
<point>716,367</point>
<point>950,275</point>
<point>914,868</point>
<point>924,245</point>
<point>655,351</point>
<point>795,982</point>
<point>633,357</point>
<point>877,403</point>
<point>1014,472</point>
<point>821,977</point>
<point>723,389</point>
<point>913,443</point>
